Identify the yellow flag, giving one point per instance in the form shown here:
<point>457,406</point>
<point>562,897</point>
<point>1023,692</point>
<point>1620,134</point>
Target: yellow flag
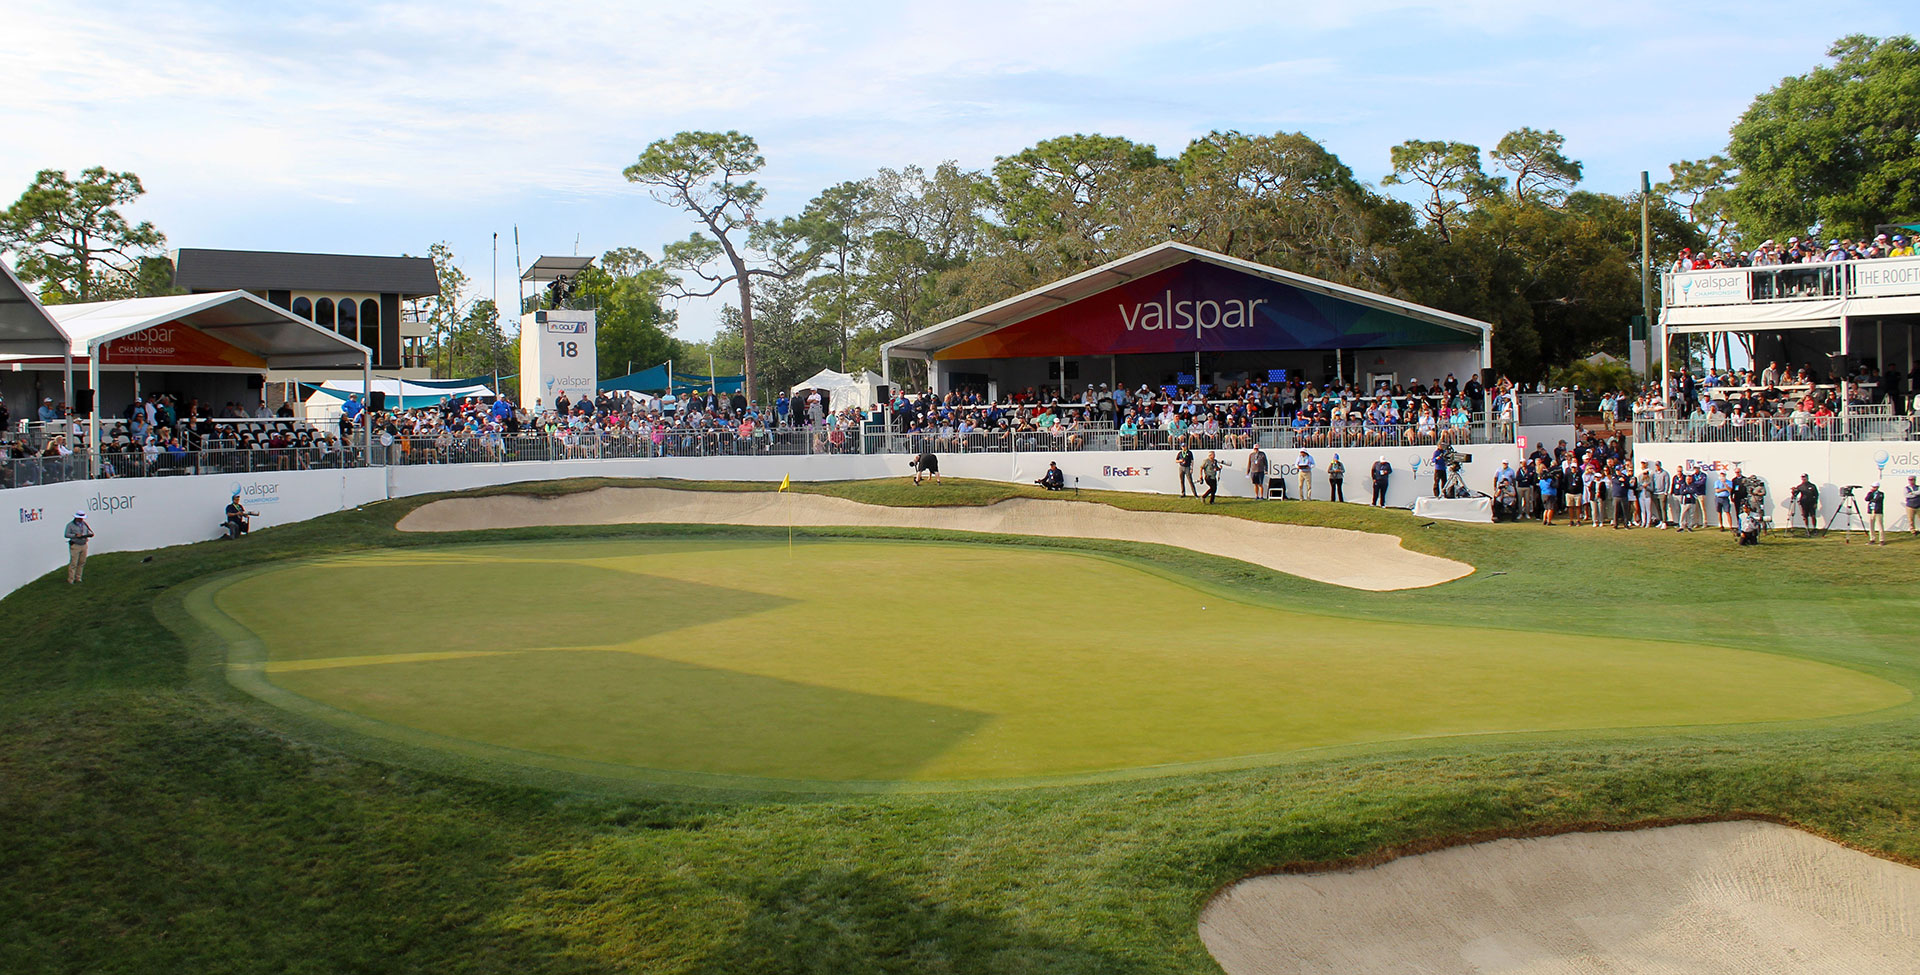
<point>785,480</point>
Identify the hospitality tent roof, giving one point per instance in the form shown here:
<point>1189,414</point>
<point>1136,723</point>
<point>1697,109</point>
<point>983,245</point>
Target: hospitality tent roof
<point>25,327</point>
<point>277,337</point>
<point>928,342</point>
<point>855,387</point>
<point>408,395</point>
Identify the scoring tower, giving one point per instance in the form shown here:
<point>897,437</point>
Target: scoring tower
<point>556,336</point>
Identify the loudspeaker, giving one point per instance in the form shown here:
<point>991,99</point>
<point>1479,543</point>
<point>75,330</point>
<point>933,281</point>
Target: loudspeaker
<point>377,401</point>
<point>256,381</point>
<point>883,393</point>
<point>82,401</point>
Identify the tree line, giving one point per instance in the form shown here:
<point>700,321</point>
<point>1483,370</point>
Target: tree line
<point>1508,234</point>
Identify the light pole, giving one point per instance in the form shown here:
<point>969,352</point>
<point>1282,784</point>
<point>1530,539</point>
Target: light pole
<point>493,292</point>
<point>1646,264</point>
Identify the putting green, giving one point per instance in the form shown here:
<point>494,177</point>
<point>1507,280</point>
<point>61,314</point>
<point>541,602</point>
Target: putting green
<point>892,661</point>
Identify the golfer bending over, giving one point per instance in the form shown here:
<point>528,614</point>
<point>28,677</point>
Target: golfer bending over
<point>926,465</point>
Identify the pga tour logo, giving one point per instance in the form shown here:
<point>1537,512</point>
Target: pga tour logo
<point>566,328</point>
<point>1110,471</point>
<point>32,514</point>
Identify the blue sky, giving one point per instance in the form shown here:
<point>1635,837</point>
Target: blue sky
<point>381,128</point>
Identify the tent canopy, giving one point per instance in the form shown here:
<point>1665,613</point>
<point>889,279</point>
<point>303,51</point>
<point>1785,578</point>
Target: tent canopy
<point>25,327</point>
<point>656,380</point>
<point>230,329</point>
<point>861,388</point>
<point>409,395</point>
<point>1175,297</point>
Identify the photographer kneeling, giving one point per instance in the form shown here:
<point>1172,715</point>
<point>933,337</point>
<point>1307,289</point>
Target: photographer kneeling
<point>1054,479</point>
<point>238,519</point>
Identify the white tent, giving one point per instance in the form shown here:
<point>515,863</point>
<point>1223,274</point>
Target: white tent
<point>331,396</point>
<point>859,389</point>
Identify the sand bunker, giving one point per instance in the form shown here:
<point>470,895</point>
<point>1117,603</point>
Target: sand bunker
<point>1719,898</point>
<point>1360,560</point>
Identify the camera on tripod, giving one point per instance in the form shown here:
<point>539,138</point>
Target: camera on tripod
<point>1847,490</point>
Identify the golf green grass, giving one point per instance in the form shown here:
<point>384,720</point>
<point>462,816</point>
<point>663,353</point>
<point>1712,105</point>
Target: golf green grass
<point>904,661</point>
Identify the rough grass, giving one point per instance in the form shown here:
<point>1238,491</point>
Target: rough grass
<point>152,821</point>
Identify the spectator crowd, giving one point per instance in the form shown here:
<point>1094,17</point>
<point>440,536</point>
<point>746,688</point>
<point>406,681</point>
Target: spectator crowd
<point>1227,416</point>
<point>1797,250</point>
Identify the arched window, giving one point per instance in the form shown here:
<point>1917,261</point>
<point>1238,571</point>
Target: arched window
<point>323,312</point>
<point>370,328</point>
<point>349,319</point>
<point>303,308</point>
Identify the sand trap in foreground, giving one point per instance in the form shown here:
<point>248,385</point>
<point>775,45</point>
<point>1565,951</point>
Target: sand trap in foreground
<point>1714,899</point>
<point>1360,560</point>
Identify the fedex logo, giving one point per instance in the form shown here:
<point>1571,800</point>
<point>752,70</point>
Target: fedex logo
<point>32,514</point>
<point>1110,471</point>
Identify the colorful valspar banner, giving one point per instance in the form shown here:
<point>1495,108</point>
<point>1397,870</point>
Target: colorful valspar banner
<point>1204,306</point>
<point>174,344</point>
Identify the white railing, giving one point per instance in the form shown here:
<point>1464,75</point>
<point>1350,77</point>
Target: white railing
<point>1884,277</point>
<point>1883,427</point>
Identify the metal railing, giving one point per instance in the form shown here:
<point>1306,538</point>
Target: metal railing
<point>541,447</point>
<point>1268,434</point>
<point>30,471</point>
<point>227,431</point>
<point>1774,429</point>
<point>471,448</point>
<point>1872,278</point>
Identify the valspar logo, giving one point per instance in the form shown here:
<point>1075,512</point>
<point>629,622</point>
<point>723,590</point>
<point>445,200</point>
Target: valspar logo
<point>1149,316</point>
<point>32,514</point>
<point>1110,471</point>
<point>566,328</point>
<point>110,503</point>
<point>158,340</point>
<point>1898,463</point>
<point>258,492</point>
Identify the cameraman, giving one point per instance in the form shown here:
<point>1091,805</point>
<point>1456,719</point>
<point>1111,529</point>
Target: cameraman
<point>1806,499</point>
<point>1876,515</point>
<point>238,517</point>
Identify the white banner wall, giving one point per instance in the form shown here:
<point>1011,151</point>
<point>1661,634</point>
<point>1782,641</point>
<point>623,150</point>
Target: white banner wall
<point>145,513</point>
<point>1153,470</point>
<point>431,478</point>
<point>131,514</point>
<point>1830,466</point>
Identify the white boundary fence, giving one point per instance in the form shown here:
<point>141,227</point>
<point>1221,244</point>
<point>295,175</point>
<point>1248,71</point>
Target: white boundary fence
<point>1830,466</point>
<point>143,513</point>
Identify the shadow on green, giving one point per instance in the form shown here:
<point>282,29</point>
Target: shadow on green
<point>632,709</point>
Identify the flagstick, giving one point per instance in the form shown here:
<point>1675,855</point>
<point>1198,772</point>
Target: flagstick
<point>789,526</point>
